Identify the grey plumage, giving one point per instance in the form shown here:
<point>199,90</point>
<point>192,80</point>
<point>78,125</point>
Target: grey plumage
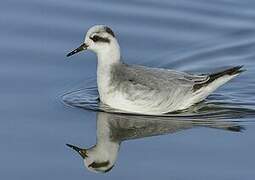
<point>128,77</point>
<point>145,90</point>
<point>162,87</point>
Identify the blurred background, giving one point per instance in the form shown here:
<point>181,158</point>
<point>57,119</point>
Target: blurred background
<point>188,35</point>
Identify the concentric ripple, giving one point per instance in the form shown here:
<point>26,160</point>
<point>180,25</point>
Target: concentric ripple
<point>213,107</point>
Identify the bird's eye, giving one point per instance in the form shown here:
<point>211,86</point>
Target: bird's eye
<point>95,38</point>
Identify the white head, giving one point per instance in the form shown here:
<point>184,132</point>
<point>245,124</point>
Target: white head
<point>96,159</point>
<point>101,40</point>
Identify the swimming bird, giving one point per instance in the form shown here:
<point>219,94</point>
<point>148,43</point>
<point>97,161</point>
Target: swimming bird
<point>145,90</point>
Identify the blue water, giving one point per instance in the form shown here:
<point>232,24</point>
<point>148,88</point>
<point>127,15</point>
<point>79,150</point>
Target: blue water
<point>189,35</point>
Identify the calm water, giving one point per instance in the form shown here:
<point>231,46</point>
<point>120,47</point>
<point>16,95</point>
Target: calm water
<point>188,35</point>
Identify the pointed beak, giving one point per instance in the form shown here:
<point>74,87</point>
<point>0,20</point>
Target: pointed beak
<point>82,152</point>
<point>82,47</point>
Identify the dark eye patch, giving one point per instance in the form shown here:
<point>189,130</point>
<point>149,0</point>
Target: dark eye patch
<point>97,38</point>
<point>99,164</point>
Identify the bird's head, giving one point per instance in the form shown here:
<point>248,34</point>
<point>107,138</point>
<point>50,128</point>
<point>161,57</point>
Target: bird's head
<point>98,39</point>
<point>94,160</point>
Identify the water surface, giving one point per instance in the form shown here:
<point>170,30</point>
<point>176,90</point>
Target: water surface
<point>188,35</point>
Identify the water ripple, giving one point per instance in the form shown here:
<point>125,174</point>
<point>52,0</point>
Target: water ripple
<point>216,106</point>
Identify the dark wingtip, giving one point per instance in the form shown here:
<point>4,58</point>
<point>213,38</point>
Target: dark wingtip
<point>236,128</point>
<point>240,69</point>
<point>237,70</point>
<point>231,71</point>
<point>212,77</point>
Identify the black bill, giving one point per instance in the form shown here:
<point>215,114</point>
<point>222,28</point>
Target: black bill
<point>82,152</point>
<point>82,47</point>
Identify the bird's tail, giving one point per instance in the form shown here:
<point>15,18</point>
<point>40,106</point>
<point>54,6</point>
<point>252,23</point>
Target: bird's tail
<point>217,79</point>
<point>229,72</point>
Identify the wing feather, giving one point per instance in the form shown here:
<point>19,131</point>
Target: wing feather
<point>148,84</point>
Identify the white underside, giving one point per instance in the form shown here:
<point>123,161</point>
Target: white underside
<point>117,100</point>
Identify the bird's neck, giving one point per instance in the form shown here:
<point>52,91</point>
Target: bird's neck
<point>106,148</point>
<point>104,152</point>
<point>109,55</point>
<point>107,58</point>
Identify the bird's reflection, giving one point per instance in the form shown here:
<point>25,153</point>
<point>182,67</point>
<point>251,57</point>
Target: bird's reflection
<point>112,129</point>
